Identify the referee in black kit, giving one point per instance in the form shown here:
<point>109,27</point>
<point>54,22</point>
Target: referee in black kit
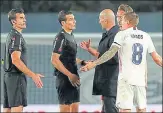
<point>65,62</point>
<point>15,83</point>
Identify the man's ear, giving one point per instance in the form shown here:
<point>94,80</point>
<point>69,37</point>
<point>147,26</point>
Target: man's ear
<point>13,21</point>
<point>62,23</point>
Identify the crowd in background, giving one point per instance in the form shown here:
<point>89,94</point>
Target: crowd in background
<point>32,6</point>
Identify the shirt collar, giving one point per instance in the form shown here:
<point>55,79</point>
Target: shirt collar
<point>66,32</point>
<point>113,28</point>
<point>132,28</point>
<point>13,29</point>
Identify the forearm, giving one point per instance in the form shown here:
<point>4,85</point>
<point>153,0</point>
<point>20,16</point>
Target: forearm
<point>59,66</point>
<point>158,61</point>
<point>107,55</point>
<point>157,58</point>
<point>22,67</point>
<point>93,51</point>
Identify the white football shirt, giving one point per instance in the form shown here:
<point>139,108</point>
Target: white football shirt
<point>134,45</point>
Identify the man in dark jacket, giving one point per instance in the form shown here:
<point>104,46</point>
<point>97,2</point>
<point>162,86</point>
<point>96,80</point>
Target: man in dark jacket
<point>106,75</point>
<point>111,84</point>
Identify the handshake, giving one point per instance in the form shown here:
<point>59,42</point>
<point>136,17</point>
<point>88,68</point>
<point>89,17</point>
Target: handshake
<point>86,66</point>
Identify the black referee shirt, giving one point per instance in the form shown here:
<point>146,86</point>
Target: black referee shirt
<point>65,45</point>
<point>14,42</point>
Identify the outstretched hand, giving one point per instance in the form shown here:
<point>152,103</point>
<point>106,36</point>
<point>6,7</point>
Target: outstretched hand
<point>88,66</point>
<point>85,44</point>
<point>37,80</point>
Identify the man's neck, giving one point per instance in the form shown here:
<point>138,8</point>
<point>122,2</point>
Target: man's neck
<point>67,30</point>
<point>130,26</point>
<point>18,29</point>
<point>109,27</point>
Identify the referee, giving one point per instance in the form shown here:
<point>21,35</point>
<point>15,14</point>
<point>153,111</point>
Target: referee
<point>65,62</point>
<point>15,83</point>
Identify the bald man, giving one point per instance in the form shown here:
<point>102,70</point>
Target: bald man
<point>106,75</point>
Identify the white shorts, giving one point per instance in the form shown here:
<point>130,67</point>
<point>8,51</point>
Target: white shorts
<point>129,95</point>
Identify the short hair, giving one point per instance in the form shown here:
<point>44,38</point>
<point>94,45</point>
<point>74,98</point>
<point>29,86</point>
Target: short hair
<point>13,12</point>
<point>132,17</point>
<point>62,15</point>
<point>126,8</point>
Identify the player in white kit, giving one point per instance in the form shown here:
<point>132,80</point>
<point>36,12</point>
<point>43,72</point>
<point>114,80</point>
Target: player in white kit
<point>132,45</point>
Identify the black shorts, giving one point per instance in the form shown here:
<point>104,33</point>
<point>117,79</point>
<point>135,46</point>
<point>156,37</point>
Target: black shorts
<point>67,94</point>
<point>15,90</point>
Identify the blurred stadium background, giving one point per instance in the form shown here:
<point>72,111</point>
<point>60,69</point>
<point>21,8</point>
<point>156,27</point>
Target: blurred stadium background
<point>42,26</point>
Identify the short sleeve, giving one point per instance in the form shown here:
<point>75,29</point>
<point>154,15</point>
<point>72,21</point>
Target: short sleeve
<point>58,44</point>
<point>151,47</point>
<point>119,39</point>
<point>15,44</point>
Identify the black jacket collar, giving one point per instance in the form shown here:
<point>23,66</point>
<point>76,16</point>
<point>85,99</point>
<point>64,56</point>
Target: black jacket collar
<point>107,33</point>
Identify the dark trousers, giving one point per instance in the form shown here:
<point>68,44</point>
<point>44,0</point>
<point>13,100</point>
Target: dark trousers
<point>109,104</point>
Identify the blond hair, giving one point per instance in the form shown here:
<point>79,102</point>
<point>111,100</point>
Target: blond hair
<point>132,18</point>
<point>126,8</point>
